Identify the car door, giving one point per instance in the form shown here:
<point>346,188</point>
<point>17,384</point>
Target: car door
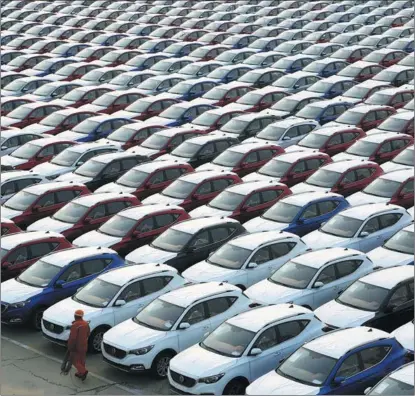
<point>44,206</point>
<point>68,282</point>
<point>406,194</point>
<point>16,261</point>
<point>109,174</point>
<point>134,299</point>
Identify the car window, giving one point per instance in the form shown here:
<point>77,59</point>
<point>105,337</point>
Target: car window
<point>299,167</point>
<point>398,144</point>
<point>327,206</point>
<point>22,183</point>
<point>153,285</point>
<point>281,249</point>
<point>201,239</point>
<point>372,225</point>
<point>221,145</point>
<point>253,200</point>
<point>9,188</point>
<point>310,212</point>
<point>112,168</point>
<point>48,150</point>
<point>267,339</point>
<point>46,200</point>
<point>351,366</point>
<point>165,219</point>
<point>74,272</point>
<point>373,356</point>
<point>327,275</point>
<point>270,195</point>
<point>221,184</point>
<point>195,314</point>
<point>350,177</point>
<point>289,330</point>
<point>208,149</point>
<point>388,220</point>
<point>385,147</point>
<point>173,173</point>
<point>94,266</point>
<point>146,225</point>
<point>97,212</point>
<point>262,256</point>
<point>64,196</point>
<point>400,296</point>
<point>131,292</point>
<point>40,249</point>
<point>205,188</point>
<point>219,234</point>
<point>19,255</point>
<point>218,306</point>
<point>347,267</point>
<point>349,136</point>
<point>408,188</point>
<point>115,207</point>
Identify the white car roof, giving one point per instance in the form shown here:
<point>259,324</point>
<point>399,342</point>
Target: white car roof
<point>122,275</point>
<point>362,212</point>
<point>92,199</point>
<point>399,175</point>
<point>294,155</point>
<point>15,174</point>
<point>38,189</point>
<point>302,198</point>
<point>331,129</point>
<point>185,296</point>
<point>318,258</point>
<point>138,212</point>
<point>249,186</point>
<point>255,239</point>
<point>84,147</point>
<point>192,226</point>
<point>343,166</point>
<point>333,344</point>
<point>380,137</point>
<point>65,256</point>
<point>246,147</point>
<point>199,176</point>
<point>17,132</point>
<point>404,374</point>
<point>290,121</point>
<point>152,166</point>
<point>258,318</point>
<point>10,241</point>
<point>389,277</point>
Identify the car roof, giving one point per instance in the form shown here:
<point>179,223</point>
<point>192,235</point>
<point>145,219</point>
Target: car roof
<point>406,115</point>
<point>380,137</point>
<point>84,147</point>
<point>66,256</point>
<point>158,164</point>
<point>372,84</point>
<point>10,241</point>
<point>303,198</point>
<point>395,90</point>
<point>191,226</point>
<point>318,258</point>
<point>256,239</point>
<point>246,147</point>
<point>362,212</point>
<point>342,166</point>
<point>173,131</point>
<point>296,155</point>
<point>92,199</point>
<point>199,176</point>
<point>14,174</point>
<point>256,319</point>
<point>138,212</point>
<point>113,156</point>
<point>331,129</point>
<point>399,175</point>
<point>247,187</point>
<point>404,374</point>
<point>333,344</point>
<point>104,117</point>
<point>389,277</point>
<point>202,139</point>
<point>122,275</point>
<point>6,133</point>
<point>186,296</point>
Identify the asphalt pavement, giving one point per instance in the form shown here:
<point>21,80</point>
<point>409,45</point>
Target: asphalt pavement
<point>30,365</point>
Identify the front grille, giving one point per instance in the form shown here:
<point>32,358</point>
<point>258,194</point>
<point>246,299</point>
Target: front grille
<point>113,351</point>
<point>3,308</point>
<point>52,327</point>
<point>176,391</point>
<point>182,379</point>
<point>55,340</point>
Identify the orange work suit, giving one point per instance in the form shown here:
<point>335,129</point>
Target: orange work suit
<point>78,345</point>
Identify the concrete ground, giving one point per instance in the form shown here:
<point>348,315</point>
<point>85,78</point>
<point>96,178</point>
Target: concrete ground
<point>30,365</point>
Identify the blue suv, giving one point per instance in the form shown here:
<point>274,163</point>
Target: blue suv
<point>52,278</point>
<point>324,111</point>
<point>299,213</point>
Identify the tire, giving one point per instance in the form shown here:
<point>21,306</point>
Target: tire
<point>161,364</point>
<point>95,339</point>
<point>235,387</point>
<point>37,318</point>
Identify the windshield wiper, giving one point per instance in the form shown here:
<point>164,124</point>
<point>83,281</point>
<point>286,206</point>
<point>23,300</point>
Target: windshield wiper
<point>294,378</point>
<point>26,283</point>
<point>86,303</point>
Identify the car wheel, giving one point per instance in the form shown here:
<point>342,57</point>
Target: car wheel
<point>95,339</point>
<point>37,318</point>
<point>160,364</point>
<point>235,387</point>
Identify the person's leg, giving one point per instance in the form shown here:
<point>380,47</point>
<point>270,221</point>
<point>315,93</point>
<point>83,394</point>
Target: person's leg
<point>78,360</point>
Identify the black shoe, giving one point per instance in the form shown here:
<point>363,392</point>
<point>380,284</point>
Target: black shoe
<point>83,377</point>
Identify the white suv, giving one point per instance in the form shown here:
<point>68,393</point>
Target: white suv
<point>108,300</point>
<point>247,259</point>
<point>312,278</point>
<point>16,180</point>
<point>242,349</point>
<point>173,322</point>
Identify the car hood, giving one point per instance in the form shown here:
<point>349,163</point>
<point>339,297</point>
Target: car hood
<point>37,128</point>
<point>274,384</point>
<point>147,152</point>
<point>257,176</point>
<point>261,224</point>
<point>360,198</point>
<point>240,106</point>
<point>110,142</point>
<point>8,160</point>
<point>205,272</point>
<point>339,315</point>
<point>70,135</point>
<point>162,199</point>
<point>115,188</point>
<point>147,254</point>
<point>266,292</point>
<point>382,257</point>
<point>205,210</point>
<point>304,187</point>
<point>13,291</point>
<point>169,157</point>
<point>73,177</point>
<point>50,224</point>
<point>347,156</point>
<point>130,335</point>
<point>319,240</point>
<point>9,213</point>
<point>160,120</point>
<point>95,238</point>
<point>48,169</point>
<point>405,335</point>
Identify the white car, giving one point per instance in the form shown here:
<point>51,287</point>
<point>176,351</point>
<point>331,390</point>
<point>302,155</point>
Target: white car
<point>286,132</point>
<point>363,227</point>
<point>405,335</point>
<point>73,157</point>
<point>398,250</point>
<point>390,187</point>
<point>312,278</point>
<point>242,349</point>
<point>399,382</point>
<point>404,159</point>
<point>380,299</point>
<point>11,139</point>
<point>247,259</point>
<point>170,324</point>
<point>108,300</point>
<point>306,371</point>
<point>15,181</point>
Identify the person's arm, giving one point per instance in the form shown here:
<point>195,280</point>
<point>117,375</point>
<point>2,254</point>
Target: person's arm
<point>72,339</point>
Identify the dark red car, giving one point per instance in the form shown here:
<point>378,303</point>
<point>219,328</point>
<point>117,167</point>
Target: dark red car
<point>395,97</point>
<point>8,227</point>
<point>401,122</point>
<point>360,71</point>
<point>23,249</point>
<point>360,92</point>
<point>213,119</point>
<point>352,53</point>
<point>80,96</point>
<point>11,103</point>
<point>259,99</point>
<point>40,200</point>
<point>385,56</point>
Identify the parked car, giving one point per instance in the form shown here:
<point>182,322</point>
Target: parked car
<point>400,380</point>
<point>8,227</point>
<point>11,139</point>
<point>403,160</point>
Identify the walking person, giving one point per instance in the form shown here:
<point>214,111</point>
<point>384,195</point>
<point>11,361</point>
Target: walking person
<point>78,344</point>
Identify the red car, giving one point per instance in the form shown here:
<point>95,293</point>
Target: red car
<point>11,103</point>
<point>139,225</point>
<point>259,99</point>
<point>148,178</point>
<point>360,71</point>
<point>360,92</point>
<point>290,168</point>
<point>21,250</point>
<point>243,158</point>
<point>385,56</point>
<point>33,153</point>
<point>194,189</point>
<point>80,96</point>
<point>148,106</point>
<point>28,114</point>
<point>395,97</point>
<point>40,200</point>
<point>352,53</point>
<point>85,213</point>
<point>8,227</point>
<point>401,122</point>
<point>244,201</point>
<point>23,62</point>
<point>213,119</point>
<point>224,94</point>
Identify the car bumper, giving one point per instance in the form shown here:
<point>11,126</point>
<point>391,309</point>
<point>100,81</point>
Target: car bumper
<point>15,316</point>
<point>56,338</point>
<point>130,363</point>
<point>198,388</point>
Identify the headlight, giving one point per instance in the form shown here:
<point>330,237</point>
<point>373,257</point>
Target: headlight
<point>211,379</point>
<point>141,351</point>
<point>20,304</point>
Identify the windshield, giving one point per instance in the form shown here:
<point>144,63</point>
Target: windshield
<point>16,85</point>
<point>391,386</point>
<point>53,120</point>
<point>44,90</point>
<point>173,112</point>
<point>73,95</point>
<point>105,100</point>
<point>39,274</point>
<point>307,367</point>
<point>404,158</point>
<point>309,111</point>
<point>200,52</point>
<point>226,56</point>
<point>71,213</point>
<point>285,104</point>
<point>20,113</point>
<point>364,296</point>
<point>228,158</point>
<point>313,140</point>
<point>190,69</point>
<point>362,148</point>
<point>320,87</point>
<point>342,226</point>
<point>155,141</point>
<point>85,127</point>
<point>179,189</point>
<point>250,98</point>
<point>133,178</point>
<point>117,226</point>
<point>20,201</point>
<point>206,119</point>
<point>282,212</point>
<point>393,124</point>
<point>234,126</point>
<point>282,64</point>
<point>350,117</point>
<point>382,188</point>
<point>402,242</point>
<point>66,158</point>
<point>285,82</point>
<point>44,65</point>
<point>378,98</point>
<point>26,151</point>
<point>275,167</point>
<point>186,150</point>
<point>215,93</point>
<point>121,79</point>
<point>323,178</point>
<point>229,256</point>
<point>86,52</point>
<point>294,275</point>
<point>93,75</point>
<point>271,132</point>
<point>67,70</point>
<point>171,240</point>
<point>90,169</point>
<point>350,71</point>
<point>181,88</point>
<point>18,61</point>
<point>228,340</point>
<point>149,84</point>
<point>226,200</point>
<point>342,53</point>
<point>97,293</point>
<point>315,67</point>
<point>218,73</point>
<point>356,92</point>
<point>159,315</point>
<point>122,134</point>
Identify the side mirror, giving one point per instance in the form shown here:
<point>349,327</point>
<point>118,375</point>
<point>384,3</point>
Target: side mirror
<point>317,285</point>
<point>300,221</point>
<point>364,234</point>
<point>136,233</point>
<point>35,209</point>
<point>6,264</point>
<point>252,265</point>
<point>286,138</point>
<point>322,224</point>
<point>79,163</point>
<point>184,326</point>
<point>87,220</point>
<point>119,303</point>
<point>390,308</point>
<point>255,352</point>
<point>338,380</point>
<point>59,284</point>
<point>3,148</point>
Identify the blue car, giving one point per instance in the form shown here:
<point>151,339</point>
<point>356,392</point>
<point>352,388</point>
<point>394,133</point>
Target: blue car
<point>68,49</point>
<point>324,111</point>
<point>54,277</point>
<point>229,73</point>
<point>192,89</point>
<point>299,213</point>
<point>326,67</point>
<point>94,128</point>
<point>48,66</point>
<point>293,63</point>
<point>330,87</point>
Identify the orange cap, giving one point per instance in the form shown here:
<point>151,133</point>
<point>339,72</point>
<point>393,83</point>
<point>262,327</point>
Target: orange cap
<point>79,312</point>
